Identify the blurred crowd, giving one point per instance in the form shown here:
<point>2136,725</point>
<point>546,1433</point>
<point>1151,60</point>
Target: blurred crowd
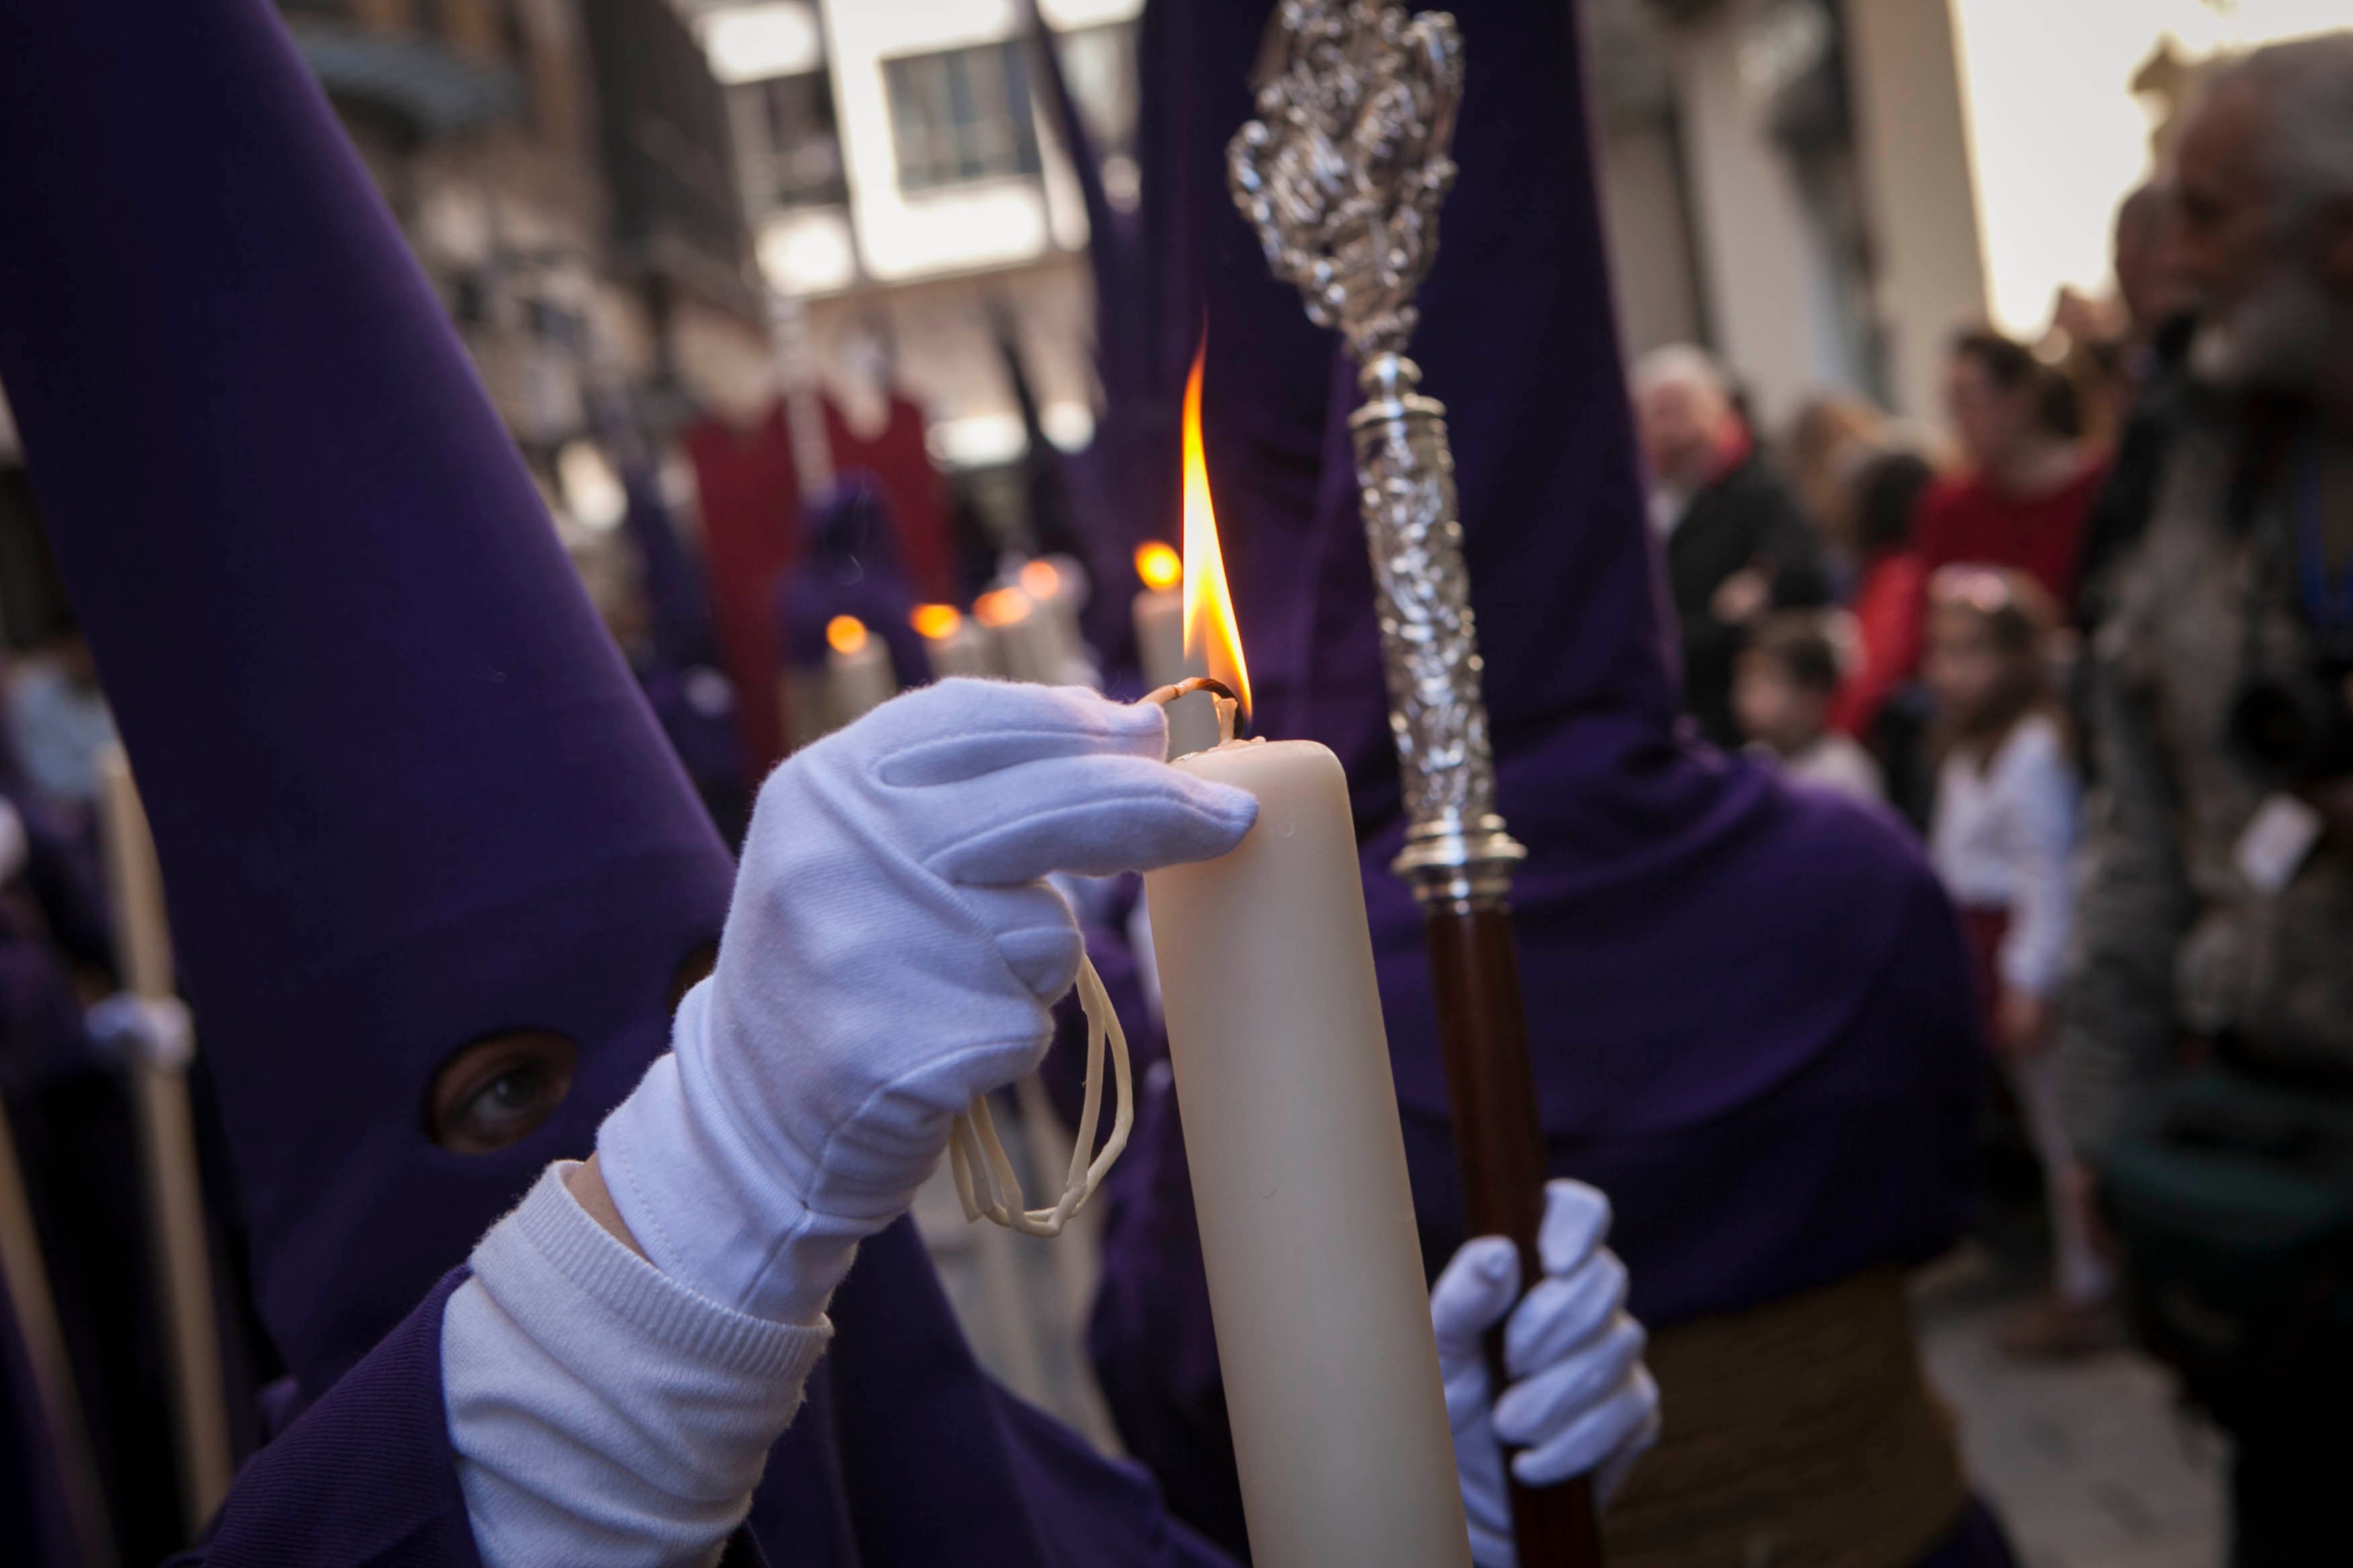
<point>2096,648</point>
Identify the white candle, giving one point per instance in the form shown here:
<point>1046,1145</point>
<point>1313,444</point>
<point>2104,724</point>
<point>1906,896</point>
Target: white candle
<point>1056,585</point>
<point>953,643</point>
<point>1299,1176</point>
<point>1159,612</point>
<point>857,673</point>
<point>1031,644</point>
<point>1160,637</point>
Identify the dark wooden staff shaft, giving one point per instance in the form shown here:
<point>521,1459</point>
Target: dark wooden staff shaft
<point>1499,1149</point>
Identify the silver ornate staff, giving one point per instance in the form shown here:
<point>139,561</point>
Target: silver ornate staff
<point>1342,176</point>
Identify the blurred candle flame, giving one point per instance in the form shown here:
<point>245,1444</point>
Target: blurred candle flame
<point>1158,566</point>
<point>1001,607</point>
<point>845,634</point>
<point>1209,627</point>
<point>934,621</point>
<point>1040,581</point>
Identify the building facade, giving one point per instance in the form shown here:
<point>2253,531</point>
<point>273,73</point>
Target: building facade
<point>563,170</point>
<point>903,183</point>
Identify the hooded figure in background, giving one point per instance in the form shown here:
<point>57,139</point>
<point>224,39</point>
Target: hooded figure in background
<point>674,653</point>
<point>439,884</point>
<point>1749,1004</point>
<point>848,565</point>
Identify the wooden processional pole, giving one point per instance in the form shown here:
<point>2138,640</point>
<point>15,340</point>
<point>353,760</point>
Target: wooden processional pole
<point>24,1274</point>
<point>142,940</point>
<point>1342,174</point>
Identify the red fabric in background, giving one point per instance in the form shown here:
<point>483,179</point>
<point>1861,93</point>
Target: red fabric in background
<point>1964,519</point>
<point>750,507</point>
<point>1985,928</point>
<point>898,456</point>
<point>1887,607</point>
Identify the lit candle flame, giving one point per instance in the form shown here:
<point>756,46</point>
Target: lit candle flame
<point>1209,628</point>
<point>1040,581</point>
<point>845,634</point>
<point>1001,607</point>
<point>934,621</point>
<point>1158,566</point>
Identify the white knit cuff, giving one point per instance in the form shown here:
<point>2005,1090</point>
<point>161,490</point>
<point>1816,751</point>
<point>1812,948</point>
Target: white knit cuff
<point>602,1414</point>
<point>552,1233</point>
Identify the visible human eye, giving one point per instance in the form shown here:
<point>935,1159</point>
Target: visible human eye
<point>498,1092</point>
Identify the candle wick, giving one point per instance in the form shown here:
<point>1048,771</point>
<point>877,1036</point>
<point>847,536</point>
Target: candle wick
<point>1164,695</point>
<point>1221,697</point>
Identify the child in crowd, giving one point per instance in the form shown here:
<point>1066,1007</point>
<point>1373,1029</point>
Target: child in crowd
<point>1782,690</point>
<point>2001,837</point>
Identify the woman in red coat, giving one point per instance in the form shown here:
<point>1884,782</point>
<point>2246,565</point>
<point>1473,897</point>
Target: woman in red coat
<point>2030,481</point>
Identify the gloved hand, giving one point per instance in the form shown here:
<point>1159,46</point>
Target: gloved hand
<point>1581,1398</point>
<point>892,951</point>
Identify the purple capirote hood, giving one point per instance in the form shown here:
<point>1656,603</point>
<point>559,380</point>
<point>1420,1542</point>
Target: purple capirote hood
<point>404,791</point>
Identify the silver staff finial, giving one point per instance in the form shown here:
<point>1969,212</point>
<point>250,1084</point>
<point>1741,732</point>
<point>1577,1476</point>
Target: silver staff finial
<point>1342,171</point>
<point>1342,174</point>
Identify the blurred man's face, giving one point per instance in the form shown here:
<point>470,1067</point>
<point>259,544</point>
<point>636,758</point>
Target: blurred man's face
<point>1682,430</point>
<point>2264,313</point>
<point>2148,271</point>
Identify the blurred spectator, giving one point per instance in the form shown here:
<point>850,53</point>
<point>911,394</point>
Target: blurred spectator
<point>1878,702</point>
<point>1831,436</point>
<point>2150,284</point>
<point>2003,832</point>
<point>1781,691</point>
<point>2150,370</point>
<point>1735,544</point>
<point>2217,902</point>
<point>1884,495</point>
<point>2029,482</point>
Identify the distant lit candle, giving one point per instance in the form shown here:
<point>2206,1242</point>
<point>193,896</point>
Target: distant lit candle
<point>1160,648</point>
<point>857,674</point>
<point>1056,587</point>
<point>954,645</point>
<point>1160,616</point>
<point>1298,1162</point>
<point>1030,644</point>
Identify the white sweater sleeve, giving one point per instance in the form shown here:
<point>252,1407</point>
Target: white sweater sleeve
<point>602,1412</point>
<point>2038,789</point>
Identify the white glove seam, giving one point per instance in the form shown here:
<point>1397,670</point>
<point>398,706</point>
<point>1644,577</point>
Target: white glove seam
<point>880,1092</point>
<point>875,765</point>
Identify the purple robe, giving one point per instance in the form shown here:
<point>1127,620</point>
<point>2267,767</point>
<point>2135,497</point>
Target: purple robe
<point>404,793</point>
<point>904,1455</point>
<point>34,1509</point>
<point>1747,1001</point>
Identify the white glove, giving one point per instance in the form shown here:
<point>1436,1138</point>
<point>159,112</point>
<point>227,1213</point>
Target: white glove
<point>891,952</point>
<point>1580,1400</point>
